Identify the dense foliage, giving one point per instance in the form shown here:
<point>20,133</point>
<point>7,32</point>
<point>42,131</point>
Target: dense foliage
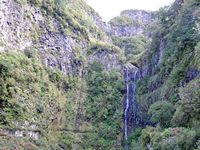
<point>124,21</point>
<point>103,107</point>
<point>134,48</point>
<point>31,94</point>
<point>42,107</point>
<point>170,138</point>
<point>161,112</point>
<point>170,91</point>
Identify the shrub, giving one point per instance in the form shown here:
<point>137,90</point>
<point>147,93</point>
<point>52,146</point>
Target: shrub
<point>124,21</point>
<point>188,106</point>
<point>31,53</point>
<point>170,138</point>
<point>103,106</point>
<point>161,112</point>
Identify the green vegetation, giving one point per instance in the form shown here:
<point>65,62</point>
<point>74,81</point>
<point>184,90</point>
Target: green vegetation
<point>162,112</point>
<point>133,138</point>
<point>103,108</point>
<point>58,107</point>
<point>179,55</point>
<point>134,48</point>
<point>99,46</point>
<point>27,92</point>
<point>170,138</point>
<point>170,93</point>
<point>74,22</point>
<point>85,111</point>
<point>124,21</point>
<point>188,112</point>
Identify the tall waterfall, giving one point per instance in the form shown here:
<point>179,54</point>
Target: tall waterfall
<point>131,103</point>
<point>127,106</point>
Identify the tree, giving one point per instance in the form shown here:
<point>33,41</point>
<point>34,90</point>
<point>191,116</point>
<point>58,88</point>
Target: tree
<point>188,109</point>
<point>161,112</point>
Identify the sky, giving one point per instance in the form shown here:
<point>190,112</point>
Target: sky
<point>111,8</point>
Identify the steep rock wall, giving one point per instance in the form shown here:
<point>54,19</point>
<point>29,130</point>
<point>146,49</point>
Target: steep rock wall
<point>169,67</point>
<point>132,23</point>
<point>53,43</point>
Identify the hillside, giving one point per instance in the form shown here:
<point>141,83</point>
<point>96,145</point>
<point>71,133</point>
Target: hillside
<point>168,82</point>
<point>71,81</point>
<point>49,54</point>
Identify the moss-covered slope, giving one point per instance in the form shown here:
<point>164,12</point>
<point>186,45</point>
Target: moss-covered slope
<point>169,91</point>
<point>48,53</point>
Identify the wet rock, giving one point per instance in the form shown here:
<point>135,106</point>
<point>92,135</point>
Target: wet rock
<point>109,60</point>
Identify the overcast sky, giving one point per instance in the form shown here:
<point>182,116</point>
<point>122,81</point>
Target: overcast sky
<point>111,8</point>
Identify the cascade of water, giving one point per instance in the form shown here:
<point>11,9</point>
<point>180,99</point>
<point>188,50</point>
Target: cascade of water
<point>128,95</point>
<point>127,106</point>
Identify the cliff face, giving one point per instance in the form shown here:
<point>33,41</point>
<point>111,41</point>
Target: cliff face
<point>25,25</point>
<point>132,23</point>
<point>166,73</point>
<point>47,49</point>
<point>16,29</point>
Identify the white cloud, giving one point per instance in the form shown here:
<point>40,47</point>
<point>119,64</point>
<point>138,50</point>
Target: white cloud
<point>111,8</point>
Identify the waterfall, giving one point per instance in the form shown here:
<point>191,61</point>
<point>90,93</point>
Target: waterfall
<point>127,106</point>
<point>131,84</point>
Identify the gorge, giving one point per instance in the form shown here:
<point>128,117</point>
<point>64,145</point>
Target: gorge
<point>71,81</point>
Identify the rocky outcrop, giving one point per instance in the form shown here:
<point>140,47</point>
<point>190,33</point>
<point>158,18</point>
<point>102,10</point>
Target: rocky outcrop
<point>61,42</point>
<point>136,22</point>
<point>15,27</point>
<point>139,22</point>
<point>34,135</point>
<point>109,60</point>
<point>27,26</point>
<point>142,16</point>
